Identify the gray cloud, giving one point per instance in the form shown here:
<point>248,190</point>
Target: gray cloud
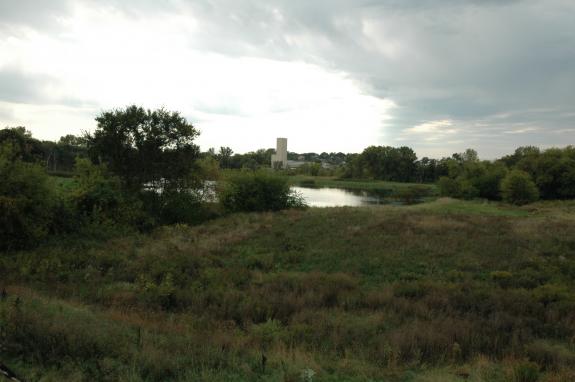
<point>17,87</point>
<point>33,14</point>
<point>464,60</point>
<point>489,66</point>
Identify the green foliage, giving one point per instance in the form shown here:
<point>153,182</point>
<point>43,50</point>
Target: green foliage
<point>55,157</point>
<point>457,188</point>
<point>252,160</point>
<point>99,198</point>
<point>448,186</point>
<point>518,188</point>
<point>26,201</point>
<point>179,207</point>
<point>388,293</point>
<point>384,163</point>
<point>555,173</point>
<point>526,372</point>
<point>145,147</point>
<point>502,278</point>
<point>487,179</point>
<point>24,147</point>
<point>224,157</point>
<point>552,170</point>
<point>312,169</point>
<point>258,191</point>
<point>471,178</point>
<point>208,168</point>
<point>61,156</point>
<point>552,356</point>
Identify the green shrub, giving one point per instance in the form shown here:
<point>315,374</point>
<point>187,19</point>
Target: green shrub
<point>503,278</point>
<point>550,355</point>
<point>100,199</point>
<point>178,207</point>
<point>489,181</point>
<point>518,188</point>
<point>258,191</point>
<point>448,186</point>
<point>26,202</point>
<point>457,188</point>
<point>526,372</point>
<point>267,333</point>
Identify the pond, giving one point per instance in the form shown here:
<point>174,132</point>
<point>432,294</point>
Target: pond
<point>337,197</point>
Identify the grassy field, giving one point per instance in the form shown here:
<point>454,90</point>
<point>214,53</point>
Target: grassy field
<point>442,291</point>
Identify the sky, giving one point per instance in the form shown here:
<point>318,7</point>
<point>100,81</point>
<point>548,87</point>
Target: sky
<point>439,76</point>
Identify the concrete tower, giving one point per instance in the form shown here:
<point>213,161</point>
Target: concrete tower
<point>279,159</point>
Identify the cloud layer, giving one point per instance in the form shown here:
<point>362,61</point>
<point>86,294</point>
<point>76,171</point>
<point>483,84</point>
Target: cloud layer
<point>332,75</point>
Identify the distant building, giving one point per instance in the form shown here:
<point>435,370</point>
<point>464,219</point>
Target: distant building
<point>279,159</point>
<point>295,163</point>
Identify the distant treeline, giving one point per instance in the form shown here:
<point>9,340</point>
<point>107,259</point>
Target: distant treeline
<point>522,177</point>
<point>57,157</point>
<point>532,173</point>
<point>138,170</point>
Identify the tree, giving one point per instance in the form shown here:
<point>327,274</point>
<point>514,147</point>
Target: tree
<point>24,147</point>
<point>145,147</point>
<point>225,156</point>
<point>489,180</point>
<point>554,174</point>
<point>72,140</point>
<point>518,188</point>
<point>389,163</point>
<point>470,155</point>
<point>457,188</point>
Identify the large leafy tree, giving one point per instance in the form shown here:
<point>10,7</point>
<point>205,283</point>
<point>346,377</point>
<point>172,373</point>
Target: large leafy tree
<point>389,163</point>
<point>24,147</point>
<point>145,147</point>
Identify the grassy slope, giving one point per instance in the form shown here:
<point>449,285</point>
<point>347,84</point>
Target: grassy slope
<point>432,292</point>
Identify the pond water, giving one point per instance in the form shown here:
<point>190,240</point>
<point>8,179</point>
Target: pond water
<point>337,197</point>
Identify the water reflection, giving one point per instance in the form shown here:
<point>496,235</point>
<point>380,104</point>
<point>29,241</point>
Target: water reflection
<point>337,197</point>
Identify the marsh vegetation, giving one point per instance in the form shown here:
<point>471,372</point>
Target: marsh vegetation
<point>438,291</point>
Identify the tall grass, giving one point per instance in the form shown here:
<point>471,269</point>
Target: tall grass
<point>328,294</point>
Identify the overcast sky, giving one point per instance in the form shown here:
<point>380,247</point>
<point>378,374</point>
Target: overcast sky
<point>330,75</point>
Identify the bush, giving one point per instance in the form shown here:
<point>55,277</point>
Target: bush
<point>258,191</point>
<point>489,181</point>
<point>448,186</point>
<point>457,188</point>
<point>178,207</point>
<point>518,188</point>
<point>26,201</point>
<point>100,199</point>
<point>526,372</point>
<point>550,355</point>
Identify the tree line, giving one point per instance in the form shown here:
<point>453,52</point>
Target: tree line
<point>138,170</point>
<point>141,168</point>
